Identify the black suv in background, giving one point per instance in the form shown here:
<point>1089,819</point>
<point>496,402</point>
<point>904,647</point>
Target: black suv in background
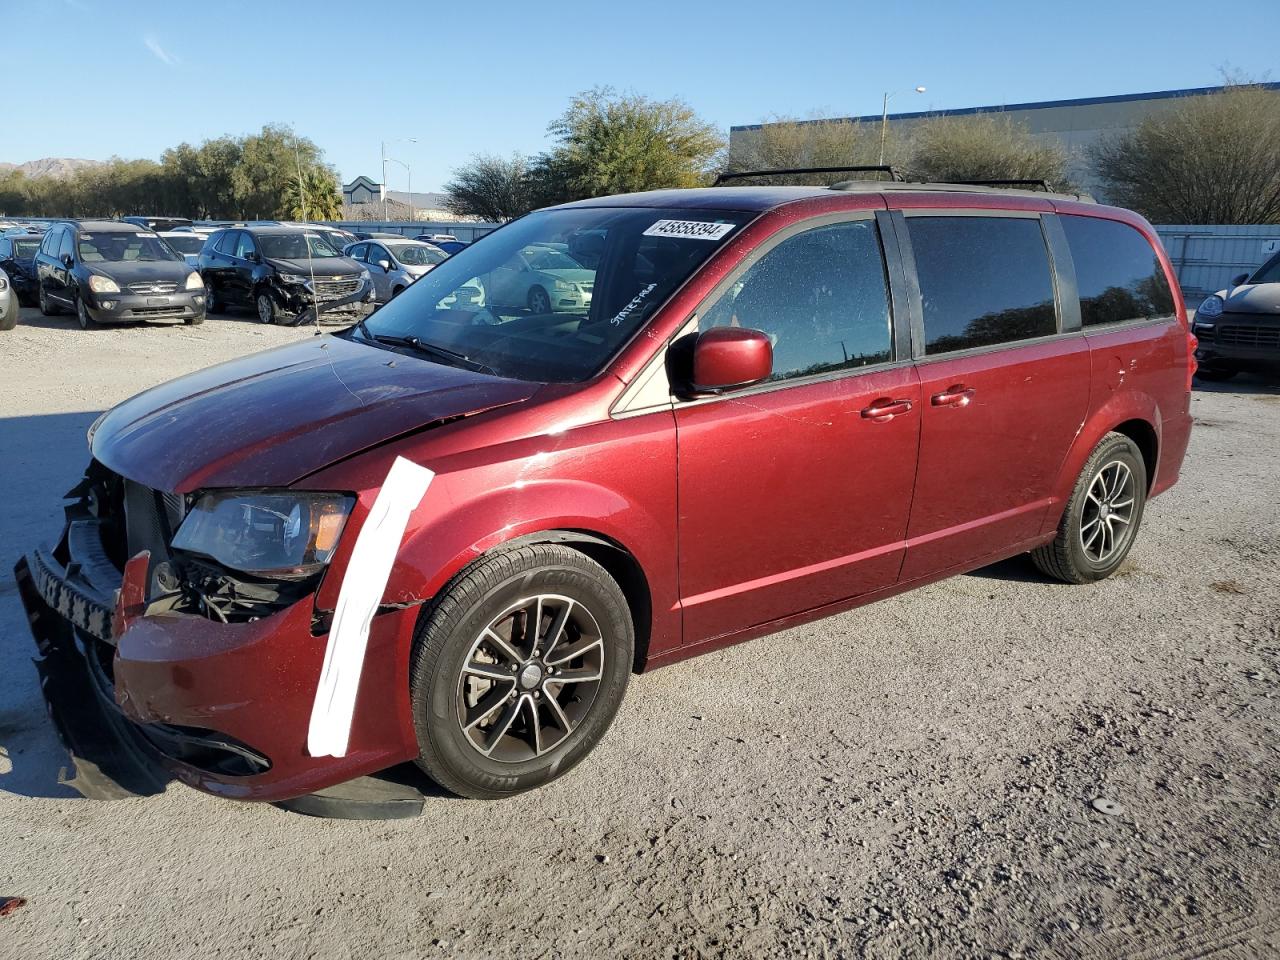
<point>270,270</point>
<point>1239,328</point>
<point>18,260</point>
<point>110,271</point>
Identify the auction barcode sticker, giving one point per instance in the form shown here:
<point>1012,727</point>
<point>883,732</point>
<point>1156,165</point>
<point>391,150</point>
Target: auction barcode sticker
<point>690,229</point>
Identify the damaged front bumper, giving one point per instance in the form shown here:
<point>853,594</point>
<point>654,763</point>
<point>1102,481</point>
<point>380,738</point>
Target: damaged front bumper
<point>222,707</point>
<point>305,306</point>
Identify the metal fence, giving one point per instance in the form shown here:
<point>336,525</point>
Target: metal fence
<point>1206,257</point>
<point>466,231</point>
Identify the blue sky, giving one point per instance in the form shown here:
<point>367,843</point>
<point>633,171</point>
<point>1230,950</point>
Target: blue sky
<point>131,78</point>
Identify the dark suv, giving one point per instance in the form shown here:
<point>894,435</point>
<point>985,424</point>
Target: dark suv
<point>284,275</point>
<point>1239,328</point>
<point>110,271</point>
<point>18,260</point>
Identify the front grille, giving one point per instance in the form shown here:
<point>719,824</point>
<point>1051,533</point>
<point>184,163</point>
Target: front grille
<point>153,286</point>
<point>329,288</point>
<point>1249,336</point>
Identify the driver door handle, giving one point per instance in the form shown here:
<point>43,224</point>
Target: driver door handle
<point>885,409</point>
<point>956,395</point>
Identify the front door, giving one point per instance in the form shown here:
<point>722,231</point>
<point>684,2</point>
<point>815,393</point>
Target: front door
<point>795,493</point>
<point>1004,388</point>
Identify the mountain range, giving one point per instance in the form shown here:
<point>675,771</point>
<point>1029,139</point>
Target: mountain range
<point>50,166</point>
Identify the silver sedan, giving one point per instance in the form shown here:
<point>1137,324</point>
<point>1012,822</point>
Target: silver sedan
<point>8,303</point>
<point>394,264</point>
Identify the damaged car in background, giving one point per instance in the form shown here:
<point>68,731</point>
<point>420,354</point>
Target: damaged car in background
<point>450,533</point>
<point>283,274</point>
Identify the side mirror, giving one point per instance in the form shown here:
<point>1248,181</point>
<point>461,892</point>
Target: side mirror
<point>728,357</point>
<point>68,261</point>
<point>1239,279</point>
<point>385,265</point>
<point>252,256</point>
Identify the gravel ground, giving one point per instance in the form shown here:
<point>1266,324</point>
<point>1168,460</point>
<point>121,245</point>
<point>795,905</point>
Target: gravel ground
<point>916,778</point>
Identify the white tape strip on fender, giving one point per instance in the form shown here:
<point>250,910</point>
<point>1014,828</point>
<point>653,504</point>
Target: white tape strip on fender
<point>358,598</point>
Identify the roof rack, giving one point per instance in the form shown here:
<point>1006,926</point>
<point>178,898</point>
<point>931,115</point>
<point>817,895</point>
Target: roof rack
<point>1033,182</point>
<point>796,171</point>
<point>872,186</point>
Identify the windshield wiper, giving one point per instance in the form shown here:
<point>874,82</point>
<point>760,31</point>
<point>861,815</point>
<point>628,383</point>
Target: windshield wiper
<point>452,357</point>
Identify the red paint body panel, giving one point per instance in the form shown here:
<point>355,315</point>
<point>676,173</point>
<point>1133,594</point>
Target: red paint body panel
<point>746,513</point>
<point>791,499</point>
<point>989,467</point>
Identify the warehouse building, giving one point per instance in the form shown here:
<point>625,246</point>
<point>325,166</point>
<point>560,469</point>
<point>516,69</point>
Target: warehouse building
<point>1076,124</point>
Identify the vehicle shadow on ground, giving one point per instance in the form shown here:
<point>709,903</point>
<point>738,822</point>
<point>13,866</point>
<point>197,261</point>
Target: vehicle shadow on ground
<point>1248,383</point>
<point>1017,569</point>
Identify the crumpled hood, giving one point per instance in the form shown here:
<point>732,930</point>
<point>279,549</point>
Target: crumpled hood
<point>1252,298</point>
<point>320,266</point>
<point>271,418</point>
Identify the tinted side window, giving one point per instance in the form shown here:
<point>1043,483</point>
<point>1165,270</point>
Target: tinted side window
<point>66,246</point>
<point>244,244</point>
<point>983,281</point>
<point>1117,273</point>
<point>1269,272</point>
<point>822,298</point>
<point>357,252</point>
<point>226,243</point>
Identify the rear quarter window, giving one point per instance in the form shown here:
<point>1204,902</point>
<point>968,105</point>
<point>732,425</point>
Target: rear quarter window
<point>1118,275</point>
<point>984,281</point>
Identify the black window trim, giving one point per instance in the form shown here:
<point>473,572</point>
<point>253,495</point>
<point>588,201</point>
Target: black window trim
<point>1062,286</point>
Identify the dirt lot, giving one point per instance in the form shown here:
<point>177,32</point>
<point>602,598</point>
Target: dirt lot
<point>916,778</point>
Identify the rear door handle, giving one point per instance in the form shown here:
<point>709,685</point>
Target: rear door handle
<point>956,395</point>
<point>884,409</point>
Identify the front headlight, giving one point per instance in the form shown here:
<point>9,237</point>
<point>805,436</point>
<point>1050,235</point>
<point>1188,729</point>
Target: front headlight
<point>194,282</point>
<point>266,533</point>
<point>565,285</point>
<point>99,284</point>
<point>4,284</point>
<point>292,278</point>
<point>1211,307</point>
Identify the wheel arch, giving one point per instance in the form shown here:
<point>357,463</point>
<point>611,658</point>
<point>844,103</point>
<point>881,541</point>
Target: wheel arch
<point>1143,434</point>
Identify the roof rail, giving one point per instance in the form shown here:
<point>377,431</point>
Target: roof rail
<point>796,171</point>
<point>1031,182</point>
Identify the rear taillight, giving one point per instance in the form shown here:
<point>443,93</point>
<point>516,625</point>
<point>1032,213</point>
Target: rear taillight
<point>1192,343</point>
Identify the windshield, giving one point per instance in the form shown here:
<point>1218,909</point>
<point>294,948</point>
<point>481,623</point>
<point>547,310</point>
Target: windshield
<point>417,255</point>
<point>25,248</point>
<point>119,247</point>
<point>293,246</point>
<point>554,295</point>
<point>1268,272</point>
<point>186,242</point>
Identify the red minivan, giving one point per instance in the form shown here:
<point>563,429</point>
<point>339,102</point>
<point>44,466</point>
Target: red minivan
<point>452,532</point>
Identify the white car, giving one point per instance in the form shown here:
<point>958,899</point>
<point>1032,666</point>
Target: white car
<point>8,304</point>
<point>542,278</point>
<point>187,243</point>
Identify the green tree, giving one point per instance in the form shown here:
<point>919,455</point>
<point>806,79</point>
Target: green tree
<point>983,146</point>
<point>316,197</point>
<point>787,143</point>
<point>607,142</point>
<point>1206,159</point>
<point>268,161</point>
<point>491,188</point>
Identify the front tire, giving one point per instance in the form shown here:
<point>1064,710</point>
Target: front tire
<point>539,302</point>
<point>518,669</point>
<point>1215,374</point>
<point>267,309</point>
<point>194,321</point>
<point>1102,516</point>
<point>83,317</point>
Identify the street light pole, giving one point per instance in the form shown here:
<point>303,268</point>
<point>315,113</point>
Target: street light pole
<point>383,185</point>
<point>884,120</point>
<point>408,170</point>
<point>386,214</point>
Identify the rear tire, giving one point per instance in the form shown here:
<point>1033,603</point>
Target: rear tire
<point>1101,519</point>
<point>477,666</point>
<point>47,308</point>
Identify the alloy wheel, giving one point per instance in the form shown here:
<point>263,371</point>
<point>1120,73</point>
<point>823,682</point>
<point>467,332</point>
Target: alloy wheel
<point>530,678</point>
<point>1106,520</point>
<point>266,309</point>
